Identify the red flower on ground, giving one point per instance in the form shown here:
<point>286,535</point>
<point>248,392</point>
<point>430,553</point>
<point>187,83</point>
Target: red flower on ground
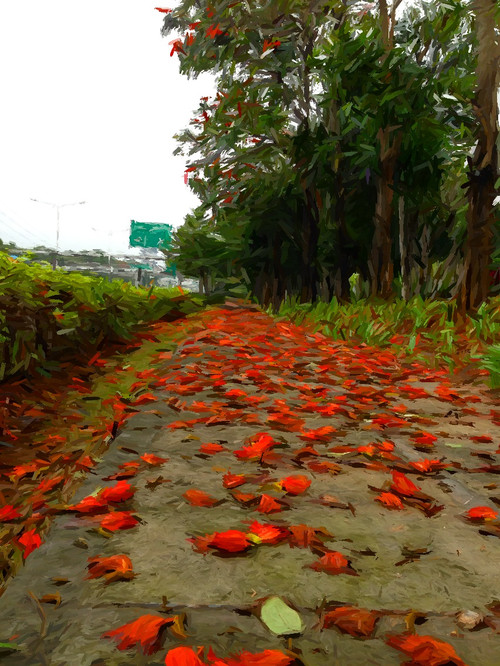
<point>425,650</point>
<point>30,541</point>
<point>90,505</point>
<point>118,520</point>
<point>351,620</point>
<point>183,656</point>
<point>146,631</point>
<point>295,484</point>
<point>481,514</point>
<point>268,504</point>
<point>8,512</point>
<point>265,658</point>
<point>232,541</point>
<point>333,563</point>
<point>265,533</point>
<point>120,492</point>
<point>151,459</point>
<point>402,484</point>
<point>199,498</point>
<point>116,567</point>
<point>390,500</point>
<point>233,480</point>
<point>211,448</point>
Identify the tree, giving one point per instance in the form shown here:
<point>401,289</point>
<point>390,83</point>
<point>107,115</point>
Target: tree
<point>483,164</point>
<point>262,57</point>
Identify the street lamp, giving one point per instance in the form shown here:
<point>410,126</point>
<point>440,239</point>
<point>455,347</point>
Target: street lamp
<point>57,207</point>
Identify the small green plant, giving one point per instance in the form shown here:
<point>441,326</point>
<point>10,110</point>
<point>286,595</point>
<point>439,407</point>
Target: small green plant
<point>416,328</point>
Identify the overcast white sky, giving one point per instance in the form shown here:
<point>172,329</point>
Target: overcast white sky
<point>90,101</point>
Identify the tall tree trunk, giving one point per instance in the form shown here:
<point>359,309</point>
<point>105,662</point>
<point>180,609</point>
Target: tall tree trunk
<point>425,250</point>
<point>404,250</point>
<point>204,277</point>
<point>278,282</point>
<point>310,238</point>
<point>381,265</point>
<point>343,288</point>
<point>483,166</point>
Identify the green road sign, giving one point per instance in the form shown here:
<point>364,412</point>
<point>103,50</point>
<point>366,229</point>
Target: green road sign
<point>150,234</point>
<point>145,267</point>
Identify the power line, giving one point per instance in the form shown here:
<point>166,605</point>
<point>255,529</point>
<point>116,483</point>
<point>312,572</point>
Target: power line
<point>18,230</point>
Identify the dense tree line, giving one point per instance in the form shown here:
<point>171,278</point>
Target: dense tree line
<point>345,139</point>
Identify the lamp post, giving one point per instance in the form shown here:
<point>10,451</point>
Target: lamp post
<point>57,207</point>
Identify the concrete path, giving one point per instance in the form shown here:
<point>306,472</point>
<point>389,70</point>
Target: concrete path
<point>241,375</point>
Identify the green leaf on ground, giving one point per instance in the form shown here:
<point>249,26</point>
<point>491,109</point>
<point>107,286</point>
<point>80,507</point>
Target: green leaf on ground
<point>280,618</point>
<point>6,648</point>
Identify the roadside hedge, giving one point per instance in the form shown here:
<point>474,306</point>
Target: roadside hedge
<point>48,316</point>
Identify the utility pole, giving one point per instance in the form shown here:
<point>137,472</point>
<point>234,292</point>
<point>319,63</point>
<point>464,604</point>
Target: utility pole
<point>57,207</point>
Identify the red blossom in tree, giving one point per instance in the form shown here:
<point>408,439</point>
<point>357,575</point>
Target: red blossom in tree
<point>213,31</point>
<point>176,47</point>
<point>270,44</point>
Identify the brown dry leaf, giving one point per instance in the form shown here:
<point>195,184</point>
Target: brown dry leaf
<point>177,628</point>
<point>51,599</point>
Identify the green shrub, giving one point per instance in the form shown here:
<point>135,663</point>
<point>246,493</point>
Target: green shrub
<point>48,315</point>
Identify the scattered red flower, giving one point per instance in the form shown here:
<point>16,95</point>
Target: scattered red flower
<point>118,520</point>
<point>116,567</point>
<point>151,459</point>
<point>233,480</point>
<point>425,650</point>
<point>333,563</point>
<point>183,656</point>
<point>390,500</point>
<point>146,631</point>
<point>401,484</point>
<point>8,512</point>
<point>352,620</point>
<point>30,541</point>
<point>268,534</point>
<point>211,448</point>
<point>481,514</point>
<point>295,484</point>
<point>199,498</point>
<point>265,658</point>
<point>120,492</point>
<point>269,504</point>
